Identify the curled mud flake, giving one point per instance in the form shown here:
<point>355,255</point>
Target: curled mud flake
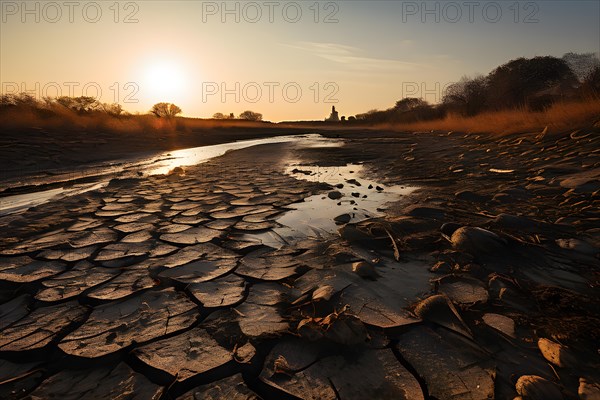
<point>41,326</point>
<point>141,318</point>
<point>33,271</point>
<point>500,323</point>
<point>72,283</point>
<point>221,292</point>
<point>132,279</point>
<point>192,236</point>
<point>13,310</point>
<point>537,388</point>
<point>307,371</point>
<point>449,370</point>
<point>184,356</point>
<point>463,290</point>
<point>98,383</point>
<point>261,314</point>
<point>440,310</point>
<point>199,271</point>
<point>232,388</point>
<point>268,265</point>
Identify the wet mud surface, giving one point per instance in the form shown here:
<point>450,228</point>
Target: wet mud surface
<point>284,272</point>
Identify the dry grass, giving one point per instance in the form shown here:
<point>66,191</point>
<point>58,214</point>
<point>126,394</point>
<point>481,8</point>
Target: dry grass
<point>558,118</point>
<point>63,119</point>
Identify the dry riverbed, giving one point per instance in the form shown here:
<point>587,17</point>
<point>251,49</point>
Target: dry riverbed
<point>387,266</point>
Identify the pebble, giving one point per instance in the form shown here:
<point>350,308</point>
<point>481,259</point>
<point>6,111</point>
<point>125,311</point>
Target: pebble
<point>477,241</point>
<point>334,195</point>
<point>365,270</point>
<point>343,219</point>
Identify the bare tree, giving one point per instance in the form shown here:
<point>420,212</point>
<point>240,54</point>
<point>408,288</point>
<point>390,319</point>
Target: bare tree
<point>251,116</point>
<point>165,110</point>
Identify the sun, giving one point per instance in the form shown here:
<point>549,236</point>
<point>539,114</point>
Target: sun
<point>164,81</point>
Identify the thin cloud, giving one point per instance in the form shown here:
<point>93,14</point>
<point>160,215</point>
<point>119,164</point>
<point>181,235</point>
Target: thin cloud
<point>351,57</point>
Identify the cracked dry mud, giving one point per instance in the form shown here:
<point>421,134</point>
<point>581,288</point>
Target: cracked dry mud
<point>481,284</point>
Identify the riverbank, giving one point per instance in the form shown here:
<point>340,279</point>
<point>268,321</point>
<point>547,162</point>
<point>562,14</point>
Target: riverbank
<point>479,282</point>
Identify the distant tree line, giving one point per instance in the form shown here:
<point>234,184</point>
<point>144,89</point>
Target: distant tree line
<point>246,115</point>
<point>533,84</point>
<point>48,105</point>
<point>85,105</point>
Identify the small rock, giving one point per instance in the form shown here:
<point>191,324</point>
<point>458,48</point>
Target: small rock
<point>343,219</point>
<point>355,194</point>
<point>334,195</point>
<point>378,188</point>
<point>365,270</point>
<point>339,185</point>
<point>244,354</point>
<point>556,353</point>
<point>533,387</point>
<point>476,241</point>
<point>176,171</point>
<point>353,182</point>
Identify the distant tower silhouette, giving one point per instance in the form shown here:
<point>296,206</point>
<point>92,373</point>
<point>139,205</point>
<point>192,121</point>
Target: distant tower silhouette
<point>333,117</point>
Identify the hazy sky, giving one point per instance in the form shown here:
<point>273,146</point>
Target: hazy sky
<point>287,60</point>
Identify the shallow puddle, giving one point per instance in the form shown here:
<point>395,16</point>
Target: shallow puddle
<point>360,198</point>
<point>196,155</point>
